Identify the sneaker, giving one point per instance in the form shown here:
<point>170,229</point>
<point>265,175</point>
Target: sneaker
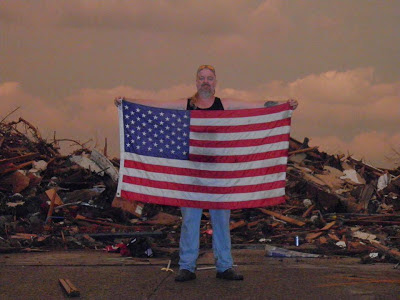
<point>229,274</point>
<point>185,275</point>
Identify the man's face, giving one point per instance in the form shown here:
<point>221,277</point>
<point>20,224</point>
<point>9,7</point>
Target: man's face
<point>206,82</point>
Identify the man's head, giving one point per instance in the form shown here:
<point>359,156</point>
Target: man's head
<point>206,81</point>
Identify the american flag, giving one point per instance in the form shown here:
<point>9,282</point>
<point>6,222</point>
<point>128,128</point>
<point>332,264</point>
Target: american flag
<point>226,159</point>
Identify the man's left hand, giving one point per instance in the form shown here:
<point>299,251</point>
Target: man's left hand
<point>293,103</point>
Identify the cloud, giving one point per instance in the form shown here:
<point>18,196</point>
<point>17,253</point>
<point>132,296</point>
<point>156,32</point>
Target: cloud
<point>365,125</point>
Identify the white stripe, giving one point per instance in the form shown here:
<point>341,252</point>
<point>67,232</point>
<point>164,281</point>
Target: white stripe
<point>217,182</point>
<point>241,120</point>
<point>239,151</point>
<point>235,136</point>
<point>241,197</point>
<point>208,166</point>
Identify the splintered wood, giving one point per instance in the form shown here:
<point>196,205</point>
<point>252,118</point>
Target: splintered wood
<point>69,288</point>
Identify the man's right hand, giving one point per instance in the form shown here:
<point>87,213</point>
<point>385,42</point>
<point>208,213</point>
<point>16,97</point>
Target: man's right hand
<point>118,101</point>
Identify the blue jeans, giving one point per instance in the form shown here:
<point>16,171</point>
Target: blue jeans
<point>190,238</point>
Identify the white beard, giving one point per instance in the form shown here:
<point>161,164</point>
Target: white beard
<point>206,93</point>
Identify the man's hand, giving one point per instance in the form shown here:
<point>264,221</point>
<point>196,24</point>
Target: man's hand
<point>118,101</point>
<point>293,103</point>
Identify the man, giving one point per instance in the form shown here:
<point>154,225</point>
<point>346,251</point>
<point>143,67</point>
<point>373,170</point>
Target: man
<point>204,99</point>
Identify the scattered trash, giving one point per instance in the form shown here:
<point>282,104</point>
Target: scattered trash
<point>335,204</point>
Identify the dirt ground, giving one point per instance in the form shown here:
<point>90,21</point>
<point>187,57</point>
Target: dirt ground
<point>101,275</point>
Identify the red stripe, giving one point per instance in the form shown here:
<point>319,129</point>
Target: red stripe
<point>204,189</point>
<point>252,112</point>
<point>238,158</point>
<point>202,204</point>
<point>240,143</point>
<point>204,173</point>
<point>240,128</point>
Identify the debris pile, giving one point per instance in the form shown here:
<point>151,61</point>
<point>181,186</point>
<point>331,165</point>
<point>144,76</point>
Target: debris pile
<point>336,205</point>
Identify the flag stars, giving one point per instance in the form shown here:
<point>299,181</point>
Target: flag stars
<point>156,132</point>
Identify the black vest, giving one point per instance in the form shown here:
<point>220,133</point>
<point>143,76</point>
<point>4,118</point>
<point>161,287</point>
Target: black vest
<point>217,105</point>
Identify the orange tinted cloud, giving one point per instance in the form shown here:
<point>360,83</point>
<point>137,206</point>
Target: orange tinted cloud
<point>365,125</point>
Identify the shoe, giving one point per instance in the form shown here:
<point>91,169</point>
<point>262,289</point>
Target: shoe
<point>229,274</point>
<point>185,275</point>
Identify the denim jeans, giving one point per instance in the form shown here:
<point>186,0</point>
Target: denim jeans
<point>190,238</point>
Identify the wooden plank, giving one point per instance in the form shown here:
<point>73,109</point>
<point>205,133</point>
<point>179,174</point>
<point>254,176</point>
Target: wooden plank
<point>19,158</point>
<point>238,224</point>
<point>312,236</point>
<point>303,150</point>
<point>69,288</point>
<point>282,217</point>
<point>392,252</point>
<point>328,226</point>
<point>308,211</point>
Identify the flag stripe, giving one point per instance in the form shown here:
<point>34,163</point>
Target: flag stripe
<point>239,150</point>
<point>193,196</point>
<point>206,204</point>
<point>204,189</point>
<point>185,164</point>
<point>240,128</point>
<point>240,114</point>
<point>236,136</point>
<point>205,181</point>
<point>243,143</point>
<point>154,168</point>
<point>237,158</point>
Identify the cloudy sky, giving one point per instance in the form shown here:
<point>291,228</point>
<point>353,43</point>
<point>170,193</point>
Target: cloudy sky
<point>63,62</point>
